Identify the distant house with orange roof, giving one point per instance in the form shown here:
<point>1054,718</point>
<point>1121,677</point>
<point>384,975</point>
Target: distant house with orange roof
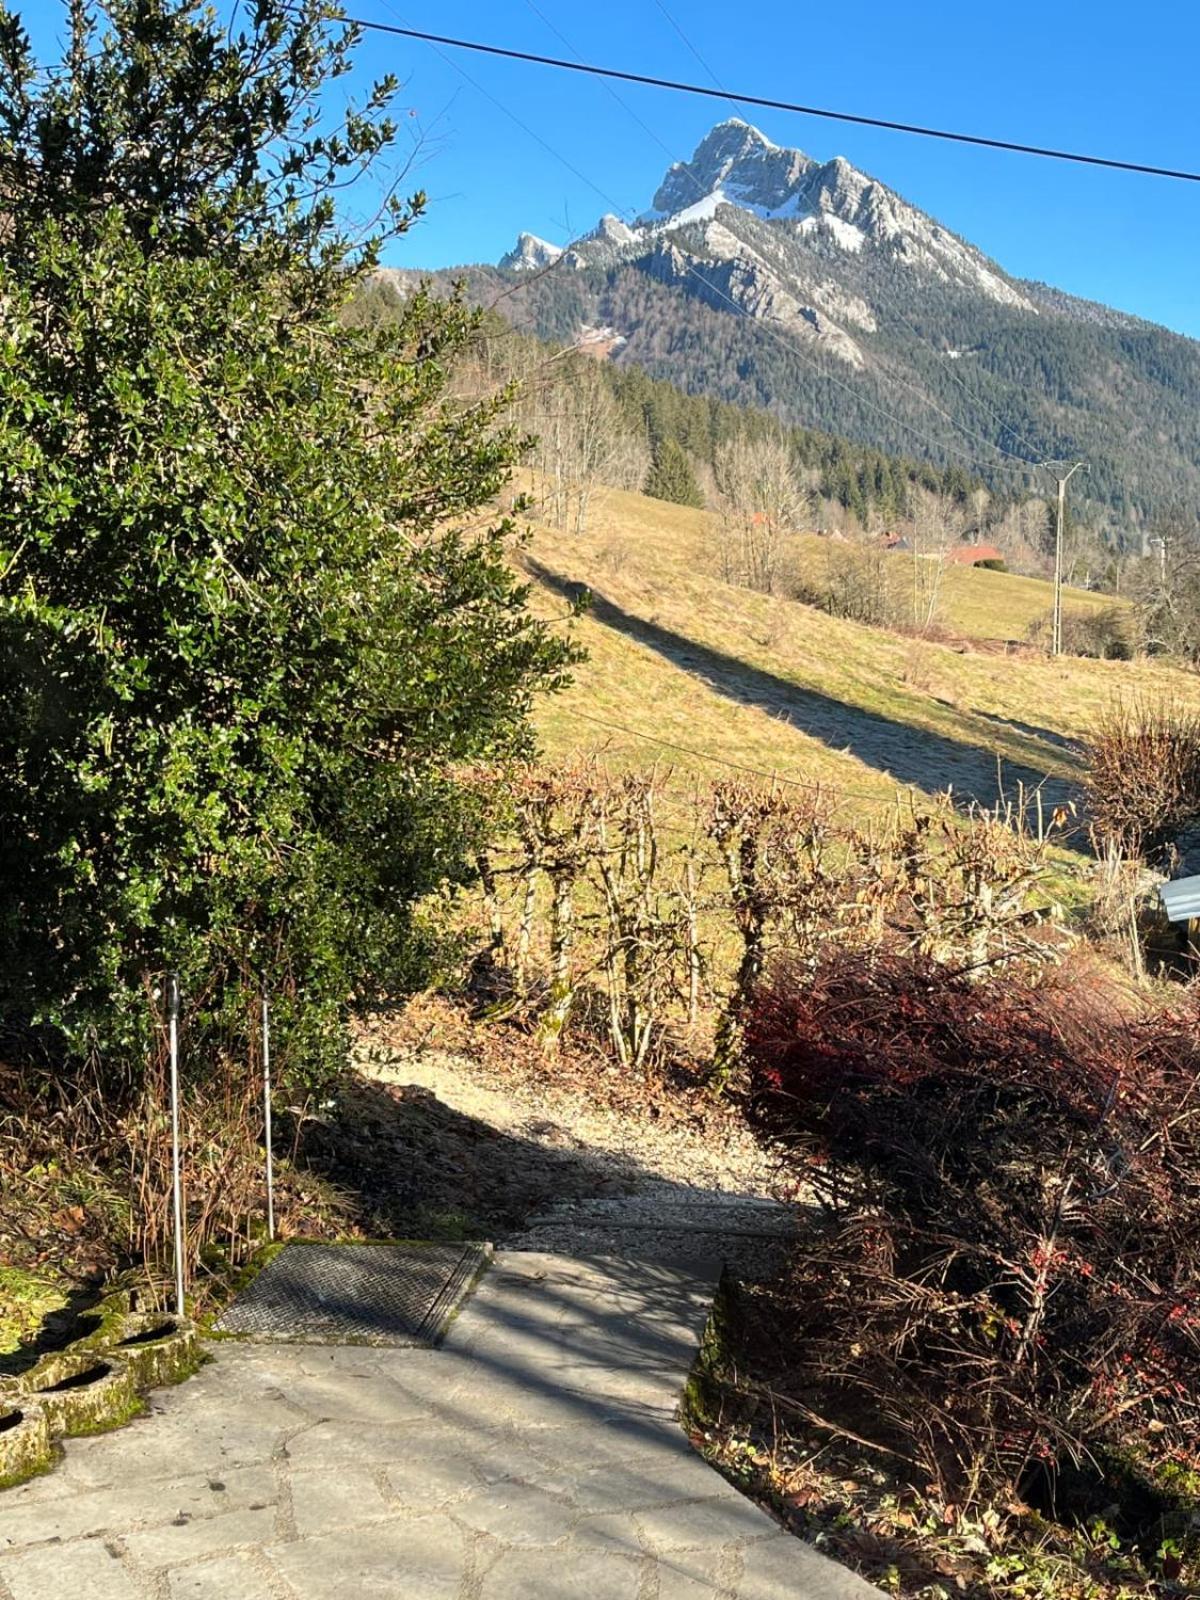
<point>975,555</point>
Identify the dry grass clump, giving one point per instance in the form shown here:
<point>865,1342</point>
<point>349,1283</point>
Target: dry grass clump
<point>1143,775</point>
<point>85,1178</point>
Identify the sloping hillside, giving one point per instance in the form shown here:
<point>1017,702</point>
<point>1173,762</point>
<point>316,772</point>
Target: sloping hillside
<point>702,672</point>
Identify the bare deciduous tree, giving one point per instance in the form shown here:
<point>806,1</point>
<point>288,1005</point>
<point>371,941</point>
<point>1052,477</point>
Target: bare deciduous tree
<point>762,500</point>
<point>936,525</point>
<point>581,443</point>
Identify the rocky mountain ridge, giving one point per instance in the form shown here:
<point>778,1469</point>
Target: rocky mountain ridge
<point>758,226</point>
<point>764,277</point>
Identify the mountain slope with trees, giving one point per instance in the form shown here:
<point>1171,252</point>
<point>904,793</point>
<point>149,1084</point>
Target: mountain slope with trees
<point>764,278</point>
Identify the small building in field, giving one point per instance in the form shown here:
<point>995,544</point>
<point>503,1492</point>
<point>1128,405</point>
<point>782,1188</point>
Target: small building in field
<point>975,555</point>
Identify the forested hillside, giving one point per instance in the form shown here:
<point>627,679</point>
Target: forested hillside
<point>763,279</point>
<point>682,434</point>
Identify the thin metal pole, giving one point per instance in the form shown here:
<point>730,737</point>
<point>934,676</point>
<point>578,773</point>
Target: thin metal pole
<point>266,1061</point>
<point>176,1181</point>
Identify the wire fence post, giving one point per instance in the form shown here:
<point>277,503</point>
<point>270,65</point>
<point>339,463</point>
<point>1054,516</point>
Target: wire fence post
<point>266,1066</point>
<point>176,1181</point>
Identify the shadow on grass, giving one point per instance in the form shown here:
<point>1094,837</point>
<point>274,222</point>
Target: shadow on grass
<point>927,760</point>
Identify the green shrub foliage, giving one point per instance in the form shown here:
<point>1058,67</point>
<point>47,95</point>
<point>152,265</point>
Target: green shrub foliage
<point>248,627</point>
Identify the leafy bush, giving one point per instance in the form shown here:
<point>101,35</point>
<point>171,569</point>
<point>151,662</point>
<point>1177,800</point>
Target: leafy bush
<point>244,636</point>
<point>1006,1296</point>
<point>1143,775</point>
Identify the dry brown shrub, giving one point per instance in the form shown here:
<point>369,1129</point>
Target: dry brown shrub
<point>1008,1289</point>
<point>1143,776</point>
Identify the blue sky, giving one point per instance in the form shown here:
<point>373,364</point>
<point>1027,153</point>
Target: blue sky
<point>1100,77</point>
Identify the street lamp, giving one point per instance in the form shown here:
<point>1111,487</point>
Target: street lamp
<point>1062,479</point>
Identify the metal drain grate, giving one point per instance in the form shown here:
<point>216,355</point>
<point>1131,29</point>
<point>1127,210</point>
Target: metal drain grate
<point>356,1293</point>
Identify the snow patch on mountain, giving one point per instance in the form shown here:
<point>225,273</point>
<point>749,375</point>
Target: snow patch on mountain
<point>844,234</point>
<point>530,254</point>
<point>612,228</point>
<point>823,208</point>
<point>700,212</point>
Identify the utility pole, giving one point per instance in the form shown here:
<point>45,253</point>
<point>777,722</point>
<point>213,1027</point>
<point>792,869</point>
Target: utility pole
<point>1062,479</point>
<point>1160,543</point>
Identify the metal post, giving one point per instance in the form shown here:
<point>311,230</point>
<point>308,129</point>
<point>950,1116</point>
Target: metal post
<point>266,1063</point>
<point>176,1182</point>
<point>1056,625</point>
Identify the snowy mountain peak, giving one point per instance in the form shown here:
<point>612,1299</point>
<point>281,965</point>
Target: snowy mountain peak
<point>776,235</point>
<point>739,160</point>
<point>612,228</point>
<point>831,206</point>
<point>747,128</point>
<point>530,254</point>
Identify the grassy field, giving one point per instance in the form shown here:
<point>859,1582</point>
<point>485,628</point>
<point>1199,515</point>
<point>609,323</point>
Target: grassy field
<point>974,602</point>
<point>689,670</point>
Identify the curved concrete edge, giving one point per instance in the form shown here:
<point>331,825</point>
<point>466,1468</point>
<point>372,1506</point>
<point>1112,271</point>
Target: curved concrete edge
<point>25,1445</point>
<point>158,1348</point>
<point>82,1391</point>
<point>56,1399</point>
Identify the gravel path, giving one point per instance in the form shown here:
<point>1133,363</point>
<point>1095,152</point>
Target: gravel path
<point>657,1176</point>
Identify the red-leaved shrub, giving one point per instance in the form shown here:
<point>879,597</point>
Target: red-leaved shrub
<point>1007,1286</point>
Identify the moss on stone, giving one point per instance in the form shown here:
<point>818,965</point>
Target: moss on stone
<point>25,1449</point>
<point>75,1402</point>
<point>57,1397</point>
<point>117,1417</point>
<point>157,1361</point>
<point>110,1314</point>
<point>705,1384</point>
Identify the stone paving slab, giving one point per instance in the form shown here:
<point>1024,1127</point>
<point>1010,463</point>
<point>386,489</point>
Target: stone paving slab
<point>536,1456</point>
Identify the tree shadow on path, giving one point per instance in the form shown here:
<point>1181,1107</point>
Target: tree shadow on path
<point>408,1165</point>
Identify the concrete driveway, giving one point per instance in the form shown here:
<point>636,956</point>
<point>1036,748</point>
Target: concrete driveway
<point>536,1454</point>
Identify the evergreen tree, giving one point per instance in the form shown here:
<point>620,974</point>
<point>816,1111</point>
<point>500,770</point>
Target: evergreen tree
<point>671,476</point>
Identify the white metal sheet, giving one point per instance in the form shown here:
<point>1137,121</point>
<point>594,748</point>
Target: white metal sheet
<point>1181,898</point>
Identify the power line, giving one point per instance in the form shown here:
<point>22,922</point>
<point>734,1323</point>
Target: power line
<point>938,446</point>
<point>963,427</point>
<point>737,106</point>
<point>624,104</point>
<point>384,27</point>
<point>764,102</point>
<point>971,395</point>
